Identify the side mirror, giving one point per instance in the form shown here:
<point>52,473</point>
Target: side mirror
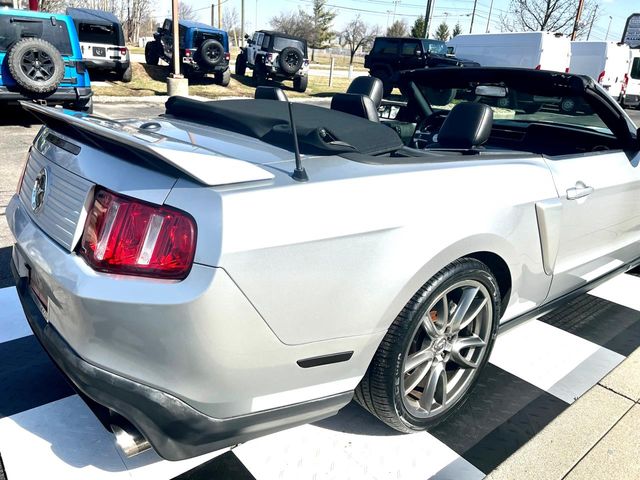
<point>246,36</point>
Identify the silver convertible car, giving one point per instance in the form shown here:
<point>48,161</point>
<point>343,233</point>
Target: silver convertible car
<point>206,279</point>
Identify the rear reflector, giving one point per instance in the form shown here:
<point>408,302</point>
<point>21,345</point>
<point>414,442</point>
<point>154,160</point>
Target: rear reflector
<point>123,52</point>
<point>538,67</point>
<point>601,76</point>
<point>130,237</point>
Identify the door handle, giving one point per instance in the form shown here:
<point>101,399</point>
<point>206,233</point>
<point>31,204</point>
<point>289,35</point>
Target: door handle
<point>579,191</point>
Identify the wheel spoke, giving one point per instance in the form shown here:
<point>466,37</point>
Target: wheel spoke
<point>430,326</point>
<point>468,295</point>
<point>470,317</point>
<point>417,358</point>
<point>435,388</point>
<point>413,380</point>
<point>463,343</point>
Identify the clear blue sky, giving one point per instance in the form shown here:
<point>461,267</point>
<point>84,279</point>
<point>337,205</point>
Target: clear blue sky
<point>381,12</point>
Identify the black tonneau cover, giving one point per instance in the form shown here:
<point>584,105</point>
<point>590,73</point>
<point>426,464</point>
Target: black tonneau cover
<point>320,130</point>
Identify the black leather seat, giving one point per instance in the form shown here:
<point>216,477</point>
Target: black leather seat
<point>370,86</point>
<point>270,93</point>
<point>355,104</point>
<point>467,127</point>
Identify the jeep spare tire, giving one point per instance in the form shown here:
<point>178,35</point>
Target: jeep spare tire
<point>36,65</point>
<point>290,60</point>
<point>211,52</point>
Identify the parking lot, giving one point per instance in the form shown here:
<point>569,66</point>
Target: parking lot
<point>546,406</point>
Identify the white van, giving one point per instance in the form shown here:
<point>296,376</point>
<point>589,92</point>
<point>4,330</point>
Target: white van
<point>538,50</point>
<point>605,62</point>
<point>632,94</point>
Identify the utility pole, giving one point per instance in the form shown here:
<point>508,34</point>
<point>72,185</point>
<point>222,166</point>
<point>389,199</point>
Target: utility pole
<point>242,23</point>
<point>577,22</point>
<point>176,38</point>
<point>427,17</point>
<point>606,37</point>
<point>489,19</point>
<point>219,15</point>
<point>395,5</point>
<point>213,19</point>
<point>593,19</point>
<point>473,15</point>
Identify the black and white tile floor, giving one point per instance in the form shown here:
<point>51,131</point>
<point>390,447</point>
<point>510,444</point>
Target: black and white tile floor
<point>536,371</point>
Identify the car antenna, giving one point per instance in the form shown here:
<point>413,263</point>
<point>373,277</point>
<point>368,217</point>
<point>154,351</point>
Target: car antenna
<point>299,174</point>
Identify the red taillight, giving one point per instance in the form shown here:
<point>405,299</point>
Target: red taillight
<point>187,53</point>
<point>601,76</point>
<point>626,79</point>
<point>130,237</point>
<point>566,70</point>
<point>538,67</point>
<point>123,52</point>
<point>227,56</point>
<point>269,57</point>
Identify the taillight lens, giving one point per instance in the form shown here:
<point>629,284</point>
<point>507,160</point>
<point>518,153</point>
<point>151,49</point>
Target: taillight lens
<point>130,237</point>
<point>123,52</point>
<point>187,53</point>
<point>227,56</point>
<point>538,67</point>
<point>601,76</point>
<point>269,57</point>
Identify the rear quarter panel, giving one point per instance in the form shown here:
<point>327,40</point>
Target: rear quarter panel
<point>341,255</point>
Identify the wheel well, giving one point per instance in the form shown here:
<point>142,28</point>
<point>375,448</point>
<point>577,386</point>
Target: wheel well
<point>500,270</point>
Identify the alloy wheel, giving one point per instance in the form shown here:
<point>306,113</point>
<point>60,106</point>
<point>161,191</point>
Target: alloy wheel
<point>447,347</point>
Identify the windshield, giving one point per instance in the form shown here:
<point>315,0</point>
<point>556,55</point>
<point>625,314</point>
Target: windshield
<point>435,47</point>
<point>512,104</point>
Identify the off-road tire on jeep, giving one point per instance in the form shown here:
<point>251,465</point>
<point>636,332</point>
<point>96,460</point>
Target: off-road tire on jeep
<point>223,78</point>
<point>300,83</point>
<point>36,65</point>
<point>126,75</point>
<point>241,64</point>
<point>385,78</point>
<point>290,60</point>
<point>152,53</point>
<point>382,390</point>
<point>211,53</point>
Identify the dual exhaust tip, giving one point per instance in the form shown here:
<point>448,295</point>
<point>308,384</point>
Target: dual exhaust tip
<point>128,438</point>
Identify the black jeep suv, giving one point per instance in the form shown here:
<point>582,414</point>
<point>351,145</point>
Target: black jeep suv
<point>390,55</point>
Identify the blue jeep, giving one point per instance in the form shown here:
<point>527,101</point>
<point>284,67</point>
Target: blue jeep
<point>40,60</point>
<point>203,49</point>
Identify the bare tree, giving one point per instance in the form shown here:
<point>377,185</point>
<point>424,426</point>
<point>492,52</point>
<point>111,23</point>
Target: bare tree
<point>399,28</point>
<point>546,15</point>
<point>299,24</point>
<point>186,12</point>
<point>357,34</point>
<point>231,23</point>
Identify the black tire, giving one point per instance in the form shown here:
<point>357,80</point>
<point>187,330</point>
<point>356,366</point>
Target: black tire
<point>210,53</point>
<point>152,53</point>
<point>379,390</point>
<point>223,78</point>
<point>440,96</point>
<point>241,64</point>
<point>126,75</point>
<point>290,60</point>
<point>36,65</point>
<point>257,78</point>
<point>300,83</point>
<point>385,78</point>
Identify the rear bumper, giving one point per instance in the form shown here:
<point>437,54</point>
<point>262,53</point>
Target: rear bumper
<point>174,429</point>
<point>631,100</point>
<point>80,95</point>
<point>95,64</point>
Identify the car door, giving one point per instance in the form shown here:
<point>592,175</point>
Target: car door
<point>167,38</point>
<point>411,54</point>
<point>598,216</point>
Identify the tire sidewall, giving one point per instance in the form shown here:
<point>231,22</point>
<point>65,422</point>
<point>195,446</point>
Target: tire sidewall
<point>468,269</point>
<point>241,64</point>
<point>284,66</point>
<point>211,45</point>
<point>14,59</point>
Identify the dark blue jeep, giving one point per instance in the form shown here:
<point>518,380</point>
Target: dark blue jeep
<point>203,49</point>
<point>40,60</point>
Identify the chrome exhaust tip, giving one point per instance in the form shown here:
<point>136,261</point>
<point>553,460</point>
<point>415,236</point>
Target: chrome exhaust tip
<point>129,440</point>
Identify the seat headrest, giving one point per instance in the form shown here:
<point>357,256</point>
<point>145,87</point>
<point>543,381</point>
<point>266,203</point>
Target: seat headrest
<point>467,125</point>
<point>369,86</point>
<point>358,105</point>
<point>270,93</point>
